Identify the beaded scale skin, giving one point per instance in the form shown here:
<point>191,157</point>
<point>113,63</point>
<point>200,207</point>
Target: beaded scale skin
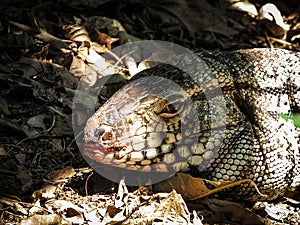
<point>140,126</point>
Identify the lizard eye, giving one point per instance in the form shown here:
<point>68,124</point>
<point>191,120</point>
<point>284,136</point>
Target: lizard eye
<point>99,132</point>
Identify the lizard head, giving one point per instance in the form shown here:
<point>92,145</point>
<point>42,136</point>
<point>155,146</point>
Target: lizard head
<point>134,128</point>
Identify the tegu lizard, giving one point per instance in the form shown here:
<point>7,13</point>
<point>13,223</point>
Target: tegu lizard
<point>166,121</point>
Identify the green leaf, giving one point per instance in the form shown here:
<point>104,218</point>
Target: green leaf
<point>295,117</point>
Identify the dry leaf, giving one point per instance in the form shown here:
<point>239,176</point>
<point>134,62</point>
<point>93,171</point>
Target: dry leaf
<point>76,33</point>
<point>233,212</point>
<point>271,21</point>
<point>286,213</point>
<point>37,121</point>
<point>46,192</point>
<point>245,6</point>
<point>194,188</point>
<point>64,173</point>
<point>42,220</point>
<point>105,39</point>
<point>2,151</point>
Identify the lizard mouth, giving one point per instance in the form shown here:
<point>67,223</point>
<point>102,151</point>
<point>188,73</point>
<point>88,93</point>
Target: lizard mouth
<point>103,153</point>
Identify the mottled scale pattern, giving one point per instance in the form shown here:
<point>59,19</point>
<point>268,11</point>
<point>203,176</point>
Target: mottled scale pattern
<point>180,129</point>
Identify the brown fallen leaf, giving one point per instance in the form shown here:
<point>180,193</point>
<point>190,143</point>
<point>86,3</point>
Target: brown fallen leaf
<point>233,213</point>
<point>46,192</point>
<point>43,219</point>
<point>76,33</point>
<point>194,188</point>
<point>64,173</point>
<point>105,39</point>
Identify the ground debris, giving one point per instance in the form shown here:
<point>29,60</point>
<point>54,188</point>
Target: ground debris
<point>123,207</point>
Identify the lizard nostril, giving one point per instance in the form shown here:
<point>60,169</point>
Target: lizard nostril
<point>107,136</point>
<point>99,132</point>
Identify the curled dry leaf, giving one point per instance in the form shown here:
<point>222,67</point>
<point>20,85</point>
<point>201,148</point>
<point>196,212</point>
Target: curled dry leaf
<point>271,21</point>
<point>270,11</point>
<point>76,33</point>
<point>245,6</point>
<point>105,39</point>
